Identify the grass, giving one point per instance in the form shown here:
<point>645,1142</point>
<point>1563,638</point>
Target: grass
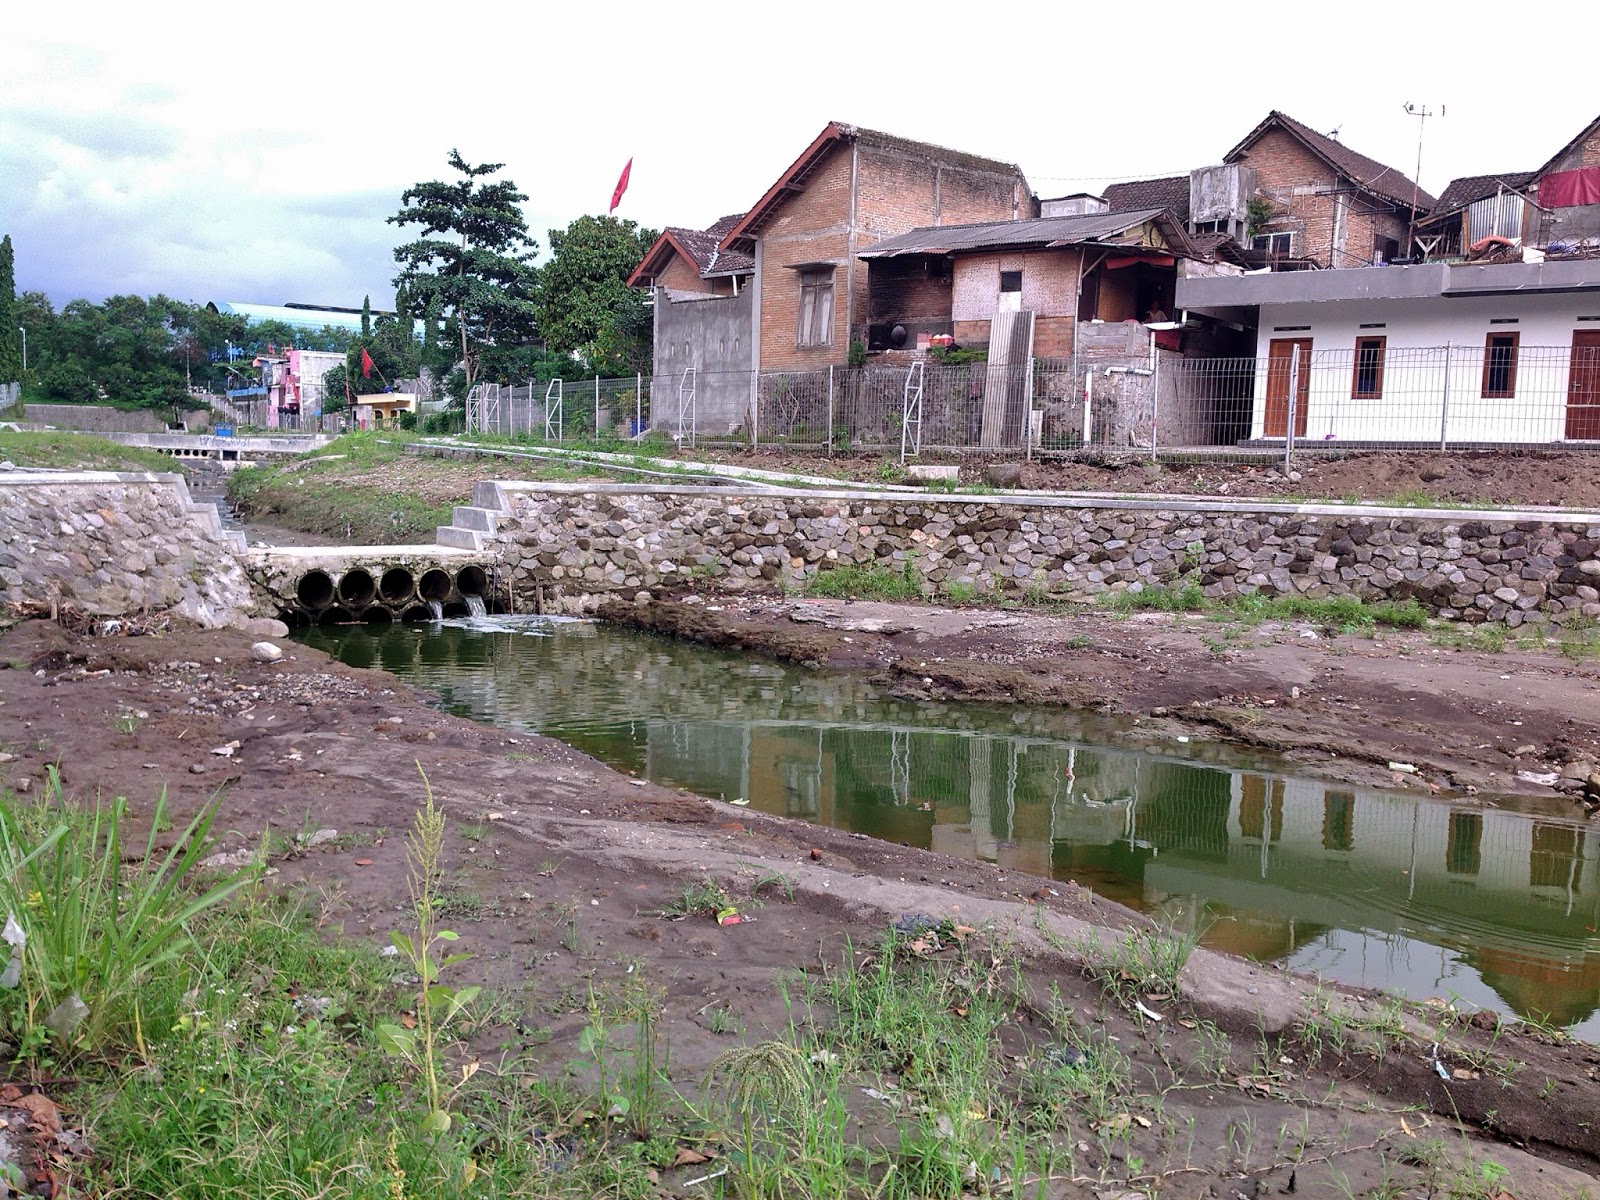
<point>1143,960</point>
<point>79,451</point>
<point>1344,613</point>
<point>704,899</point>
<point>848,581</point>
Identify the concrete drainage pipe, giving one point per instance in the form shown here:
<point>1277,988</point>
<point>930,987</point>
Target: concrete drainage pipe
<point>434,585</point>
<point>357,588</point>
<point>397,586</point>
<point>315,590</point>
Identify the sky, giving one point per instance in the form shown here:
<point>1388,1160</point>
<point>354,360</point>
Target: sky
<point>250,153</point>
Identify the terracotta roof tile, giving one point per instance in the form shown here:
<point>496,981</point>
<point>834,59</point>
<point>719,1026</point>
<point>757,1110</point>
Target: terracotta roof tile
<point>1171,193</point>
<point>1468,188</point>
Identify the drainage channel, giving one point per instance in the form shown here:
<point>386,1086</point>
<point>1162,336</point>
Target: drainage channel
<point>1490,906</point>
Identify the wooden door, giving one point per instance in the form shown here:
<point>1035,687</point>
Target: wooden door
<point>1281,353</point>
<point>1583,387</point>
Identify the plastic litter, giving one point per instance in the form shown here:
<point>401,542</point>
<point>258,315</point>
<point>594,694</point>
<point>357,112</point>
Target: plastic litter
<point>731,916</point>
<point>67,1016</point>
<point>1066,1056</point>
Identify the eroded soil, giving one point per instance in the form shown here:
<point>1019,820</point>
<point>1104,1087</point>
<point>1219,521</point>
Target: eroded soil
<point>557,867</point>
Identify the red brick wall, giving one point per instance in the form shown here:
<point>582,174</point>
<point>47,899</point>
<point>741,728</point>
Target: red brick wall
<point>896,191</point>
<point>681,277</point>
<point>1298,184</point>
<point>1585,154</point>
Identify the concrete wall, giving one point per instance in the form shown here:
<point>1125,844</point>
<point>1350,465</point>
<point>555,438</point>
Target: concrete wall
<point>102,418</point>
<point>577,543</point>
<point>113,544</point>
<point>716,337</point>
<point>1412,406</point>
<point>10,393</point>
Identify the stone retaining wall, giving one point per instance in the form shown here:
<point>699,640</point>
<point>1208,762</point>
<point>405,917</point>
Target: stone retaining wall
<point>114,544</point>
<point>103,418</point>
<point>577,543</point>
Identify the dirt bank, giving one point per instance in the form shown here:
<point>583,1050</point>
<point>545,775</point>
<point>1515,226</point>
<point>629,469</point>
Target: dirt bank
<point>1339,704</point>
<point>557,867</point>
<point>1410,478</point>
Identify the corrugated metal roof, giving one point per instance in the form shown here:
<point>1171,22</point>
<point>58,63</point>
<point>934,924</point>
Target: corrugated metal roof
<point>1040,231</point>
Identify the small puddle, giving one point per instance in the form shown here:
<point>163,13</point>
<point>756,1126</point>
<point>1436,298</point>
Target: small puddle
<point>1489,906</point>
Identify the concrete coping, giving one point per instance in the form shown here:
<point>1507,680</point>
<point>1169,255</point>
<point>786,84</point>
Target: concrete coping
<point>45,477</point>
<point>376,553</point>
<point>1173,504</point>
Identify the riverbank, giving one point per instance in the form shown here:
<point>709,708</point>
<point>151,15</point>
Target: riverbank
<point>1458,711</point>
<point>557,871</point>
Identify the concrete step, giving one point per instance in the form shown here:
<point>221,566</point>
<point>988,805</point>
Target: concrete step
<point>459,539</point>
<point>471,517</point>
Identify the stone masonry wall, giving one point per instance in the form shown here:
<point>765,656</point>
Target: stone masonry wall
<point>114,544</point>
<point>579,543</point>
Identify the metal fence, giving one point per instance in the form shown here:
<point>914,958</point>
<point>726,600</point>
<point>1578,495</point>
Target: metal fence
<point>1296,400</point>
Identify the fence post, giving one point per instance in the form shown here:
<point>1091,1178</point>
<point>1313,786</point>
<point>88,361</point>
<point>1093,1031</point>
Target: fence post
<point>1155,396</point>
<point>1027,416</point>
<point>1088,415</point>
<point>1294,406</point>
<point>755,409</point>
<point>828,432</point>
<point>1444,405</point>
<point>638,405</point>
<point>597,408</point>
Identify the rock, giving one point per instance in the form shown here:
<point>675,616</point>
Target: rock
<point>263,627</point>
<point>22,785</point>
<point>321,837</point>
<point>1530,748</point>
<point>932,473</point>
<point>1591,785</point>
<point>197,768</point>
<point>228,860</point>
<point>265,652</point>
<point>1003,474</point>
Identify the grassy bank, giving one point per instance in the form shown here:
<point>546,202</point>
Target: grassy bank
<point>78,451</point>
<point>355,488</point>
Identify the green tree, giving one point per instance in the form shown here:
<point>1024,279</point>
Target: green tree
<point>584,304</point>
<point>10,339</point>
<point>479,277</point>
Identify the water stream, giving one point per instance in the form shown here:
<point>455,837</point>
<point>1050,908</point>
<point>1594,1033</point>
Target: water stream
<point>1494,906</point>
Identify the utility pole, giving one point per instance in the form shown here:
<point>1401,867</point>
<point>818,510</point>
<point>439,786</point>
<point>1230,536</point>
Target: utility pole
<point>1421,113</point>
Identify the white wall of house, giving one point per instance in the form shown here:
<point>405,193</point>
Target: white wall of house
<point>1421,399</point>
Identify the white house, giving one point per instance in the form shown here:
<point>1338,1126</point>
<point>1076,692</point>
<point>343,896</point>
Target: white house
<point>1431,354</point>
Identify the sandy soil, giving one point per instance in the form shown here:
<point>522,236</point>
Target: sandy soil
<point>1338,705</point>
<point>559,863</point>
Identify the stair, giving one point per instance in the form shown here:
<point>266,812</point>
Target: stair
<point>472,524</point>
<point>458,539</point>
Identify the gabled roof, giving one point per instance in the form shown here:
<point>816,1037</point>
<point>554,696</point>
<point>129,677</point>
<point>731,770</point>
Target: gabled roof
<point>1561,153</point>
<point>1371,175</point>
<point>1036,232</point>
<point>743,234</point>
<point>1469,188</point>
<point>699,249</point>
<point>1171,193</point>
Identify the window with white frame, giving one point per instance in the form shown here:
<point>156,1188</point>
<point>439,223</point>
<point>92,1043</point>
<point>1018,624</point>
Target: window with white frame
<point>816,308</point>
<point>1276,244</point>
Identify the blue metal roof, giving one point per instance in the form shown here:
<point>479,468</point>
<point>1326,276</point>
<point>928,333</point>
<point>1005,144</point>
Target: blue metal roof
<point>299,318</point>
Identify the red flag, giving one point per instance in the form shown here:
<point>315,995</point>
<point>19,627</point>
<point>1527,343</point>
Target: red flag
<point>622,186</point>
<point>366,364</point>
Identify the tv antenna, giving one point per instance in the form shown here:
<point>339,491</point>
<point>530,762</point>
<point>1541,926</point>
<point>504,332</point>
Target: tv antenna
<point>1421,112</point>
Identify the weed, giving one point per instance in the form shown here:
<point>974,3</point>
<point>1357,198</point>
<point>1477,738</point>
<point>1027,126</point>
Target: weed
<point>705,898</point>
<point>473,832</point>
<point>127,722</point>
<point>960,591</point>
<point>1185,598</point>
<point>1142,960</point>
<point>849,581</point>
<point>437,1004</point>
<point>775,880</point>
<point>721,1021</point>
<point>86,932</point>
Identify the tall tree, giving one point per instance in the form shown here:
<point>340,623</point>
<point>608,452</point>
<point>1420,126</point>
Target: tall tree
<point>10,339</point>
<point>584,304</point>
<point>479,277</point>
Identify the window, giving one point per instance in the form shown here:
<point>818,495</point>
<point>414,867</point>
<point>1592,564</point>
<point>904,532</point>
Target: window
<point>1276,244</point>
<point>816,308</point>
<point>1368,381</point>
<point>1010,281</point>
<point>1211,226</point>
<point>1500,366</point>
<point>1555,856</point>
<point>1010,292</point>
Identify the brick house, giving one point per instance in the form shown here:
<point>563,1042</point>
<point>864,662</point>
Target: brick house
<point>847,191</point>
<point>1326,205</point>
<point>1062,270</point>
<point>1568,193</point>
<point>1476,207</point>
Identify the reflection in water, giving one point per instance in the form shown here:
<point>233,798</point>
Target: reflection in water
<point>1496,907</point>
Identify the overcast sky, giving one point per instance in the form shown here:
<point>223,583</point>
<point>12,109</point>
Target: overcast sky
<point>250,152</point>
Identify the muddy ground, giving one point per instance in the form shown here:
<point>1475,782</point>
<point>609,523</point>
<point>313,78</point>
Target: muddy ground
<point>1411,478</point>
<point>1338,704</point>
<point>557,866</point>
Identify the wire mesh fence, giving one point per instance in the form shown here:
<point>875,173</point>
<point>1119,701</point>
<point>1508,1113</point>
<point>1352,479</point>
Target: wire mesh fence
<point>1294,400</point>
